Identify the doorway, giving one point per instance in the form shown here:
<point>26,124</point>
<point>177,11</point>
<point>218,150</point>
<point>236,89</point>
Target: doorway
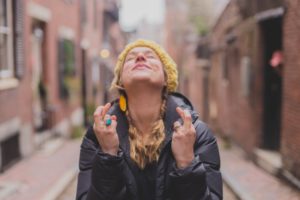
<point>272,81</point>
<point>39,87</point>
<point>83,88</point>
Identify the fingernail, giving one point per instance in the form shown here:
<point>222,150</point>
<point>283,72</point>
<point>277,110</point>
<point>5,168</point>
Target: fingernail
<point>114,117</point>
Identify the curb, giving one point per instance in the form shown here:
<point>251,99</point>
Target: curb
<point>239,192</point>
<point>61,184</point>
<point>6,189</point>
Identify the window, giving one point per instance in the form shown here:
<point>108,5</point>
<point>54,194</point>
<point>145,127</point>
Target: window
<point>66,66</point>
<point>6,39</point>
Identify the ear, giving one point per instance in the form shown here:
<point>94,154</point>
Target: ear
<point>166,77</point>
<point>166,82</point>
<point>165,92</point>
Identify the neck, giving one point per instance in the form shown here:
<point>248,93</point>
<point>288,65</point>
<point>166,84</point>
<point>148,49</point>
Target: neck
<point>144,108</point>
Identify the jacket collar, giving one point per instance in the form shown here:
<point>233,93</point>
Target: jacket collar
<point>174,100</point>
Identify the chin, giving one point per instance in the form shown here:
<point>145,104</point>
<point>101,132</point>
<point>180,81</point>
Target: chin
<point>142,76</point>
<point>145,80</point>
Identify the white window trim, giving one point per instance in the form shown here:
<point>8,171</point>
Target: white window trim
<point>66,33</point>
<point>9,73</point>
<point>39,12</point>
<point>8,83</point>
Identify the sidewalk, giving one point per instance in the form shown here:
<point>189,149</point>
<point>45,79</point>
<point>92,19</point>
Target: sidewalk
<point>44,175</point>
<point>250,182</point>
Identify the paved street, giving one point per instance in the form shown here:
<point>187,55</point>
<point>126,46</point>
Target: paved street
<point>43,175</point>
<point>249,181</point>
<point>243,179</point>
<point>70,192</point>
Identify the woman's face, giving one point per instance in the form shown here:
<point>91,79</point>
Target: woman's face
<point>142,64</point>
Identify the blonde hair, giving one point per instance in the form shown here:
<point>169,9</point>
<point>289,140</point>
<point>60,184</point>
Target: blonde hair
<point>144,151</point>
<point>170,66</point>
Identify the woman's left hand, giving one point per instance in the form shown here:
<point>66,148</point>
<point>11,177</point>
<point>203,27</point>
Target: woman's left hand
<point>183,139</point>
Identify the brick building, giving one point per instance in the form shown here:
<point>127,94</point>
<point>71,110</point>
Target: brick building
<point>101,42</point>
<point>180,42</point>
<point>91,36</point>
<point>290,131</point>
<point>174,35</point>
<point>254,92</point>
<point>186,23</point>
<point>48,51</point>
<point>113,43</point>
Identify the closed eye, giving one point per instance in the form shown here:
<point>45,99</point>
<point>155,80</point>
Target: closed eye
<point>150,56</point>
<point>129,59</point>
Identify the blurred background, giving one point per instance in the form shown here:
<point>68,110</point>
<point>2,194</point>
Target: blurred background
<point>238,62</point>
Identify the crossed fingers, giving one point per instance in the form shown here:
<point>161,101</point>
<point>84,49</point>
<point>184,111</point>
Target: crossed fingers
<point>187,120</point>
<point>102,119</point>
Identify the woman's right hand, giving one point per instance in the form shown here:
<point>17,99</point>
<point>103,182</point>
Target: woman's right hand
<point>106,135</point>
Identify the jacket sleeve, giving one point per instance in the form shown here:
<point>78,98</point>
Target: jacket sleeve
<point>202,178</point>
<point>100,175</point>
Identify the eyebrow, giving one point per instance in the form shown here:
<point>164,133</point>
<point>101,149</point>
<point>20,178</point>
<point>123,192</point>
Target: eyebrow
<point>135,52</point>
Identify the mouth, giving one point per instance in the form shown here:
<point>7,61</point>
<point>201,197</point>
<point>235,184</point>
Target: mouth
<point>141,66</point>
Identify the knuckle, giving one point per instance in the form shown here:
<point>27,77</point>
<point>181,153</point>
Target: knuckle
<point>179,135</point>
<point>175,135</point>
<point>188,116</point>
<point>191,133</point>
<point>98,129</point>
<point>108,132</point>
<point>98,109</point>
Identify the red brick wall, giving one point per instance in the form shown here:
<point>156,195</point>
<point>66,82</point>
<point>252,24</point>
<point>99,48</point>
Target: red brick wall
<point>241,117</point>
<point>290,144</point>
<point>194,86</point>
<point>238,116</point>
<point>15,101</point>
<point>18,101</point>
<point>62,14</point>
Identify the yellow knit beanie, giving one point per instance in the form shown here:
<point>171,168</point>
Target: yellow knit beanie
<point>168,63</point>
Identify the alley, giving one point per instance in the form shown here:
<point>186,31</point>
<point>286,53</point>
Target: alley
<point>233,64</point>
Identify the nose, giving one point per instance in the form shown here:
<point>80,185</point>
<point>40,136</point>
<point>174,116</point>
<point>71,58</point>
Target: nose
<point>140,57</point>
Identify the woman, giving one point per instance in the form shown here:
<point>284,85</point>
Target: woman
<point>149,144</point>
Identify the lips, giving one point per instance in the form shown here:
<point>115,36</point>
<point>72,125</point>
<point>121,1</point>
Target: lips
<point>140,66</point>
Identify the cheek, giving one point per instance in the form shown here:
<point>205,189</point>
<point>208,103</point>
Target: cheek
<point>123,74</point>
<point>125,68</point>
<point>161,75</point>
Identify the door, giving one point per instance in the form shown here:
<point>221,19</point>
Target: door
<point>83,88</point>
<point>38,80</point>
<point>273,66</point>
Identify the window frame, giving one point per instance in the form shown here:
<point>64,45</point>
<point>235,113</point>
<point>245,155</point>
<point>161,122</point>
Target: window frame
<point>8,71</point>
